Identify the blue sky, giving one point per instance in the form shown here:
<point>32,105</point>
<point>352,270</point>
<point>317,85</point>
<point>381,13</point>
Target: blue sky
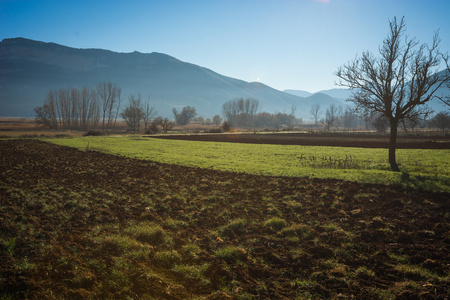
<point>286,44</point>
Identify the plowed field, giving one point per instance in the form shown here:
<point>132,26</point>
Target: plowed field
<point>82,225</point>
<point>323,139</point>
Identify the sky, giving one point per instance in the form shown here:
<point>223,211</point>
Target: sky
<point>286,44</point>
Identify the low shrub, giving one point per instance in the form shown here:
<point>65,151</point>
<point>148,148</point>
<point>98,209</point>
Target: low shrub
<point>95,133</point>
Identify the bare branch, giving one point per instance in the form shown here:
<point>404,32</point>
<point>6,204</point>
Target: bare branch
<point>399,82</point>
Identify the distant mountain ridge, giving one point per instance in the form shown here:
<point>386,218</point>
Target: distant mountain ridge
<point>29,69</point>
<point>341,95</point>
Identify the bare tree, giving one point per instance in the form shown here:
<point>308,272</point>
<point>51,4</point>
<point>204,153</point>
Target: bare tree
<point>155,125</point>
<point>446,98</point>
<point>380,123</point>
<point>292,120</point>
<point>241,112</point>
<point>149,114</point>
<point>88,107</point>
<point>396,84</point>
<point>252,107</point>
<point>47,114</point>
<point>331,115</point>
<point>64,107</point>
<point>160,123</point>
<point>217,120</point>
<point>74,108</point>
<point>185,116</point>
<point>230,110</point>
<point>94,110</point>
<point>349,118</point>
<point>441,120</point>
<point>83,107</point>
<point>413,121</point>
<point>69,108</point>
<point>109,96</point>
<point>133,113</point>
<point>44,117</point>
<point>166,125</point>
<point>315,111</point>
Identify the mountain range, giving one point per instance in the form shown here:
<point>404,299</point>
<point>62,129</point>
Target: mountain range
<point>29,69</point>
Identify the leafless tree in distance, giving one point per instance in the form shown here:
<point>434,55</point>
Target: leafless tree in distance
<point>133,114</point>
<point>331,115</point>
<point>149,114</point>
<point>109,97</point>
<point>315,112</point>
<point>185,116</point>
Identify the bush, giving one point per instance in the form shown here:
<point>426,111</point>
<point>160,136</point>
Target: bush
<point>95,133</point>
<point>226,126</point>
<point>215,130</point>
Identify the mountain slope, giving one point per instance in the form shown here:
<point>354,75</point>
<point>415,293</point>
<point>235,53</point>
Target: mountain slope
<point>325,100</point>
<point>29,69</point>
<point>299,93</point>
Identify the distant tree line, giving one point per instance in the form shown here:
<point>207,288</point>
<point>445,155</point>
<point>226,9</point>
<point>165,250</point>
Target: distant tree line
<point>336,116</point>
<point>349,118</point>
<point>86,109</point>
<point>245,113</point>
<point>240,112</point>
<point>216,120</point>
<point>75,108</point>
<point>137,113</point>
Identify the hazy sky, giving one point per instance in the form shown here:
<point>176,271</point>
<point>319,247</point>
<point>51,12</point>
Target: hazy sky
<point>286,44</point>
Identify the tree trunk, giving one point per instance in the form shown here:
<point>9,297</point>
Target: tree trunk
<point>393,146</point>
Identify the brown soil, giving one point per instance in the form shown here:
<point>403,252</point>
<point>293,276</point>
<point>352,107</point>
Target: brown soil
<point>343,240</point>
<point>423,141</point>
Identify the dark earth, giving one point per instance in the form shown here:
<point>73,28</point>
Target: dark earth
<point>362,140</point>
<point>60,209</point>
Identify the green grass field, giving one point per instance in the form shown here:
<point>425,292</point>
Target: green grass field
<point>424,169</point>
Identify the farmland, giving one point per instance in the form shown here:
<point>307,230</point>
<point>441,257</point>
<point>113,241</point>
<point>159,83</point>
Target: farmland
<point>83,224</point>
<point>422,168</point>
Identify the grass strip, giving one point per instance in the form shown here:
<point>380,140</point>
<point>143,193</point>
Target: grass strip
<point>421,168</point>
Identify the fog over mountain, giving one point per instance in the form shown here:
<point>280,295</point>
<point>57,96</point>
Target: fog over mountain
<point>29,69</point>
